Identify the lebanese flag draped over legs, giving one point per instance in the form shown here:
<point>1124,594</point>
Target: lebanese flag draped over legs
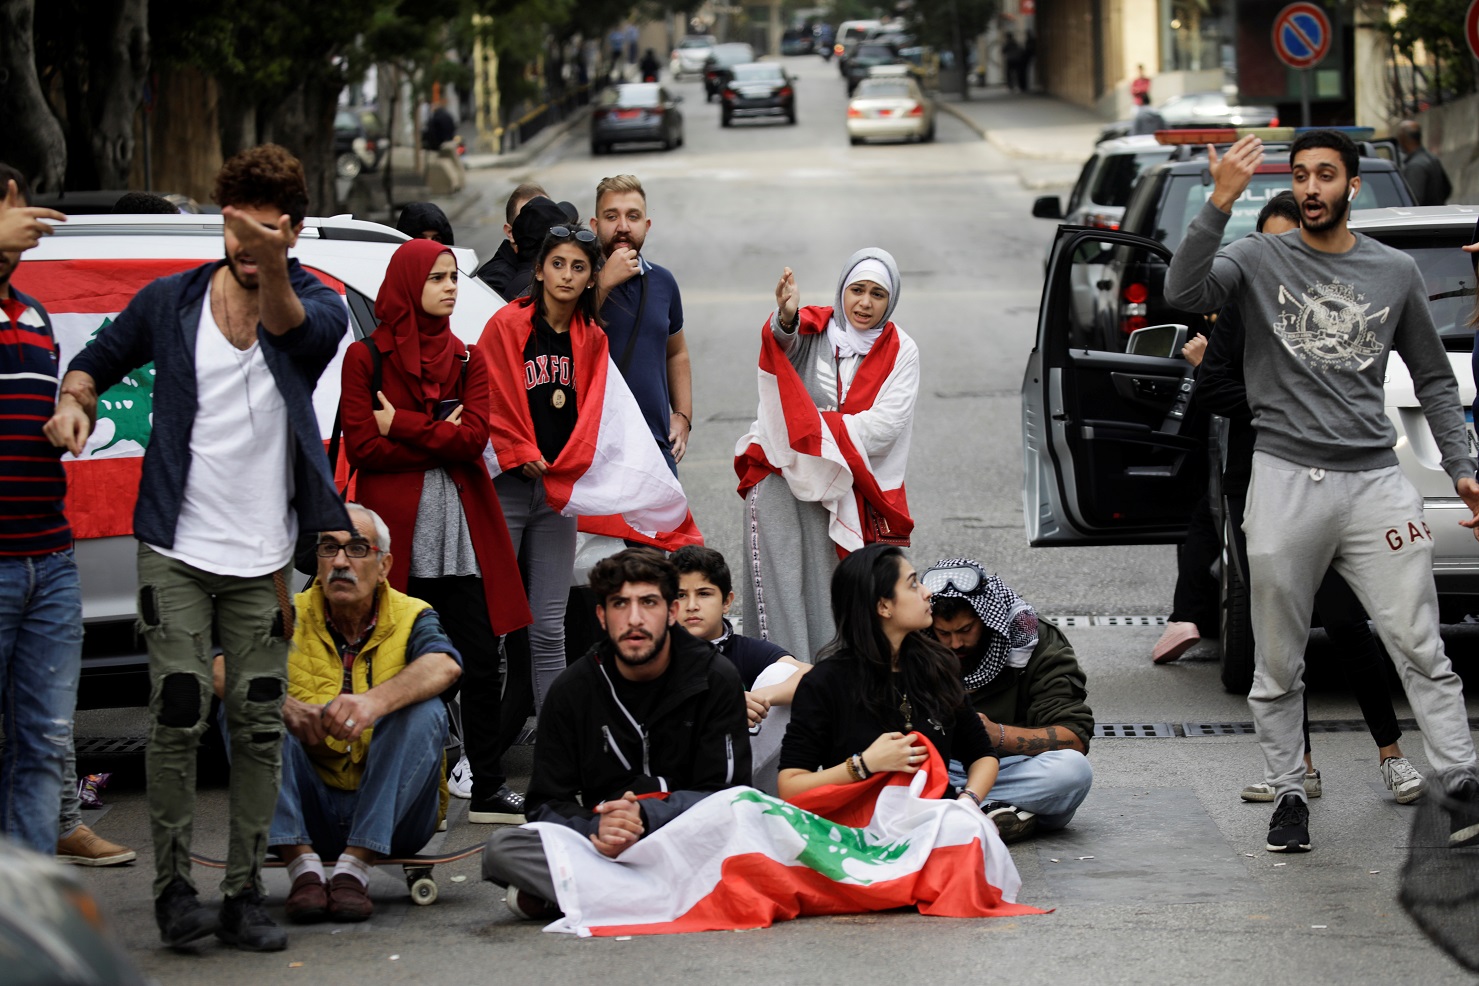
<point>610,473</point>
<point>836,457</point>
<point>743,859</point>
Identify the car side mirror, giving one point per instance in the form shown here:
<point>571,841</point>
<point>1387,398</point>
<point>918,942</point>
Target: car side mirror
<point>1047,207</point>
<point>1164,341</point>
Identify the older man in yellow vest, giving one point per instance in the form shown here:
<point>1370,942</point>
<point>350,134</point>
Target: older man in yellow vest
<point>365,660</point>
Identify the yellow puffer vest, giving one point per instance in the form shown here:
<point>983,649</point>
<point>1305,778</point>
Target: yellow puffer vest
<point>316,673</point>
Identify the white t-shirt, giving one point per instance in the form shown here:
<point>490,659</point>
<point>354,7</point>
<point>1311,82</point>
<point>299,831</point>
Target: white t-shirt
<point>237,516</point>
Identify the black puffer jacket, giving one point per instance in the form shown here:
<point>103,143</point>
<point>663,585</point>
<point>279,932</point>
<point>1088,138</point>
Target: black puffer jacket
<point>589,750</point>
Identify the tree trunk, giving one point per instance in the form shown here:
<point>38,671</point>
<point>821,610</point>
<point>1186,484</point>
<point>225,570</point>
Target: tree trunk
<point>34,142</point>
<point>304,124</point>
<point>118,68</point>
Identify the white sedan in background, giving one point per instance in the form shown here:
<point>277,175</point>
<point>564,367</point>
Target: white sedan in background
<point>890,105</point>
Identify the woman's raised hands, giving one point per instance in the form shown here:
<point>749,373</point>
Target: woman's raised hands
<point>787,298</point>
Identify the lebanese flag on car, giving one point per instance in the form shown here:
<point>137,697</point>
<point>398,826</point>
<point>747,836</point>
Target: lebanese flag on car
<point>823,455</point>
<point>610,473</point>
<point>742,859</point>
<point>82,297</point>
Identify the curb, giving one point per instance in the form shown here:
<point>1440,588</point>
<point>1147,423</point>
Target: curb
<point>950,109</point>
<point>1009,149</point>
<point>526,152</point>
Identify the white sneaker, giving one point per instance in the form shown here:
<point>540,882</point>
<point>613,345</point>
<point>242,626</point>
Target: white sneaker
<point>459,785</point>
<point>1402,779</point>
<point>1265,792</point>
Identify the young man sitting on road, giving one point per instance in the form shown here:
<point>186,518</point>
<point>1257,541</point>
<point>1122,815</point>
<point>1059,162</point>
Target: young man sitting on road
<point>644,726</point>
<point>365,659</point>
<point>1025,683</point>
<point>769,673</point>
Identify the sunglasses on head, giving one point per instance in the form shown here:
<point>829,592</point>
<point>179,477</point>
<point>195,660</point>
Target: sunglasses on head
<point>581,234</point>
<point>963,578</point>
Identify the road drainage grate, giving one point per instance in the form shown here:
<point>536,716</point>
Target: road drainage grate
<point>1219,728</point>
<point>1068,620</point>
<point>1063,621</point>
<point>110,746</point>
<point>1135,730</point>
<point>1129,621</point>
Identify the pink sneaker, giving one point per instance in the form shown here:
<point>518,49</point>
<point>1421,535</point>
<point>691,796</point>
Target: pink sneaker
<point>1177,640</point>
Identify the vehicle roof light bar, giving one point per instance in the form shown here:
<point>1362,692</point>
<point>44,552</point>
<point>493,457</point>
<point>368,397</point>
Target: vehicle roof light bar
<point>1227,135</point>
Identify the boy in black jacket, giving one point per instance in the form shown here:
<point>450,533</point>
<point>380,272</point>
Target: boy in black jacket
<point>644,726</point>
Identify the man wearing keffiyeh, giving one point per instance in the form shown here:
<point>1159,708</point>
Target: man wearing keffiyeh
<point>1025,682</point>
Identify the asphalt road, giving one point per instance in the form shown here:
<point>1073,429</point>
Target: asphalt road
<point>1161,878</point>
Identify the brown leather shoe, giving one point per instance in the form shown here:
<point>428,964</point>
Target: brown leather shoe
<point>308,901</point>
<point>348,900</point>
<point>84,847</point>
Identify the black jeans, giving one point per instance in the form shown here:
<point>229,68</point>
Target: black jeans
<point>463,609</point>
<point>1195,600</point>
<point>1344,619</point>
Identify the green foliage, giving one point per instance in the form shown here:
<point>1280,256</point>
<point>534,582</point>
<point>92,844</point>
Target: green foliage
<point>946,24</point>
<point>1435,28</point>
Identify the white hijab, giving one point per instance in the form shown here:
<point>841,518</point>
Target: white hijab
<point>847,340</point>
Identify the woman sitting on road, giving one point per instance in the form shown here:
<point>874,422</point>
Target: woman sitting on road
<point>417,443</point>
<point>882,678</point>
<point>822,468</point>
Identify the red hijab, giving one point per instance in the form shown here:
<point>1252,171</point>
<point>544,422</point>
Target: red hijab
<point>425,347</point>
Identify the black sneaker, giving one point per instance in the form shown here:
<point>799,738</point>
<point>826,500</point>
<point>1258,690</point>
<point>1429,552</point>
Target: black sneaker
<point>528,907</point>
<point>245,924</point>
<point>1013,824</point>
<point>182,919</point>
<point>1289,829</point>
<point>1463,814</point>
<point>504,808</point>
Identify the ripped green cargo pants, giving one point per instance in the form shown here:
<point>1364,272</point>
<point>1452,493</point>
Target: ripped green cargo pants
<point>177,605</point>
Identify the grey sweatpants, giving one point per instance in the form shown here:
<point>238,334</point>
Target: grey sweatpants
<point>1368,525</point>
<point>515,856</point>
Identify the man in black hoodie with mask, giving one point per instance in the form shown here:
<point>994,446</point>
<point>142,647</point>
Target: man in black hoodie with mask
<point>510,270</point>
<point>644,726</point>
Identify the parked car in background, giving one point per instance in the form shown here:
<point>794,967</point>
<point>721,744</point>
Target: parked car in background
<point>1106,459</point>
<point>636,112</point>
<point>797,42</point>
<point>867,56</point>
<point>95,202</point>
<point>758,89</point>
<point>720,65</point>
<point>1104,185</point>
<point>688,58</point>
<point>358,142</point>
<point>890,104</point>
<point>1202,109</point>
<point>849,34</point>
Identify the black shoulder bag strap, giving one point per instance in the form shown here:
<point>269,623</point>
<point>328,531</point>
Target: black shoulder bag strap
<point>626,354</point>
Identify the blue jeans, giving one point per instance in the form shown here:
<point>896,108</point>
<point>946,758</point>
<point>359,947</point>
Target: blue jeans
<point>1051,785</point>
<point>40,660</point>
<point>394,812</point>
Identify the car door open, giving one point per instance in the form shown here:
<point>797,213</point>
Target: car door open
<point>1111,454</point>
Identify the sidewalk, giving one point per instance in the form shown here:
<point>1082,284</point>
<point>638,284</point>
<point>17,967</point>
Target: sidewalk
<point>1033,126</point>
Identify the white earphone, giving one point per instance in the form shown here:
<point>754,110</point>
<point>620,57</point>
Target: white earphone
<point>1351,195</point>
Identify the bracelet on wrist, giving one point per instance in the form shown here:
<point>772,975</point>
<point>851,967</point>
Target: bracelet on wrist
<point>863,767</point>
<point>852,768</point>
<point>1002,732</point>
<point>967,792</point>
<point>685,418</point>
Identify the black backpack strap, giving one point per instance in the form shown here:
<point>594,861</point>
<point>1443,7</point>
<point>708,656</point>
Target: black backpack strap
<point>631,347</point>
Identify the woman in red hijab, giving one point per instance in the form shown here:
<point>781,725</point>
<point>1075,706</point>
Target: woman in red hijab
<point>417,444</point>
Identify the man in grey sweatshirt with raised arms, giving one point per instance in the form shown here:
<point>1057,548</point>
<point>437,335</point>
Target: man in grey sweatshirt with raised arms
<point>1324,308</point>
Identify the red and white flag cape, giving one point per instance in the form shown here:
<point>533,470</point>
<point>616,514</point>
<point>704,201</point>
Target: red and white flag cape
<point>840,457</point>
<point>82,296</point>
<point>743,859</point>
<point>610,473</point>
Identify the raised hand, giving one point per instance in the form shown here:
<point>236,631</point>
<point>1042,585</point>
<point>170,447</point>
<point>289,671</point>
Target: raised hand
<point>1232,172</point>
<point>787,297</point>
<point>264,243</point>
<point>21,227</point>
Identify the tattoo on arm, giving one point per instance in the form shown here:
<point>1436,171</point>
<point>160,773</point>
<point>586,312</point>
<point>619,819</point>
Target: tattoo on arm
<point>1030,742</point>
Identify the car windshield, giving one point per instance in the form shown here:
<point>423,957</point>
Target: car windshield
<point>1187,194</point>
<point>757,72</point>
<point>854,33</point>
<point>873,51</point>
<point>883,89</point>
<point>638,96</point>
<point>1116,179</point>
<point>696,43</point>
<point>1448,273</point>
<point>345,121</point>
<point>732,55</point>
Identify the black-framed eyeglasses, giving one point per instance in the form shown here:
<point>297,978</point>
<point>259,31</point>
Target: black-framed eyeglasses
<point>580,233</point>
<point>963,577</point>
<point>351,549</point>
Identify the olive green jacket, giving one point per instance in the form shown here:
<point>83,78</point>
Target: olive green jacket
<point>1049,691</point>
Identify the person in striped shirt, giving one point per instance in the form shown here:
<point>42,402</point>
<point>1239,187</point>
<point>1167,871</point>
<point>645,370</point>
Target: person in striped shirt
<point>40,592</point>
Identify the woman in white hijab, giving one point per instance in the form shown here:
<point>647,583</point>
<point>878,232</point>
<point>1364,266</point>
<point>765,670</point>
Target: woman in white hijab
<point>822,467</point>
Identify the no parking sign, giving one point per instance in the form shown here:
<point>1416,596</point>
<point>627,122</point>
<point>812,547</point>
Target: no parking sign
<point>1471,28</point>
<point>1302,34</point>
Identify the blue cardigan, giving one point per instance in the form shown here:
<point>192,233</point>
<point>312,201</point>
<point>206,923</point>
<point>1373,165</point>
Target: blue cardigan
<point>160,324</point>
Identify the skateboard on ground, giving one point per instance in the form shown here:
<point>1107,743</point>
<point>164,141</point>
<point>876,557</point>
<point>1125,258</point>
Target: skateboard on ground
<point>417,868</point>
